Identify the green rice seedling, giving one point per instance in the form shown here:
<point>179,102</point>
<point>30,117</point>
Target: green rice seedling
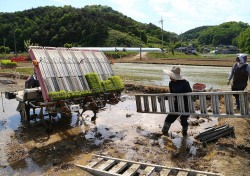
<point>117,82</point>
<point>58,95</point>
<point>76,94</point>
<point>70,94</point>
<point>85,93</point>
<point>94,82</point>
<point>108,85</point>
<point>62,94</point>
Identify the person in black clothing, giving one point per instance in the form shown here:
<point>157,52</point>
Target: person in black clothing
<point>177,85</point>
<point>240,73</point>
<point>32,81</point>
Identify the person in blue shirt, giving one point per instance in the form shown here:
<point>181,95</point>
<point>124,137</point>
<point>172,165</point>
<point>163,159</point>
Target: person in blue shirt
<point>240,73</point>
<point>177,85</point>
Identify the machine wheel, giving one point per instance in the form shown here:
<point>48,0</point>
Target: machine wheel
<point>24,110</point>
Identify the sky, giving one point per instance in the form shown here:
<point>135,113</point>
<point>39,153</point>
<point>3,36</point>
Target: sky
<point>177,16</point>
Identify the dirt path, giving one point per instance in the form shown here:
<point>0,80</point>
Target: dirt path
<point>139,57</point>
<point>223,62</point>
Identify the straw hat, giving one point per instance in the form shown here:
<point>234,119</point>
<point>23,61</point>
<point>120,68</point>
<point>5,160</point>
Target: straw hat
<point>174,73</point>
<point>242,58</point>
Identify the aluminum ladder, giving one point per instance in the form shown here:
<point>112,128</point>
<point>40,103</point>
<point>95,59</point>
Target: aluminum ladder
<point>108,166</point>
<point>217,104</point>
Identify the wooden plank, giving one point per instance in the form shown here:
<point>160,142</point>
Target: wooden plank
<point>201,174</point>
<point>182,173</point>
<point>106,165</point>
<point>132,170</point>
<point>164,172</point>
<point>119,167</point>
<point>147,171</point>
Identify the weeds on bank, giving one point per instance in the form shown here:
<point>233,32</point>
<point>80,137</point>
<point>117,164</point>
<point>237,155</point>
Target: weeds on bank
<point>22,71</point>
<point>179,55</point>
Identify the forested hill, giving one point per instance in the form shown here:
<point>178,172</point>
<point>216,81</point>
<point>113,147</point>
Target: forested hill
<point>227,33</point>
<point>99,26</point>
<point>89,26</point>
<point>193,33</point>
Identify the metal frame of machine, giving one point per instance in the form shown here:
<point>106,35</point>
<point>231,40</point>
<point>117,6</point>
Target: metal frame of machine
<point>64,69</point>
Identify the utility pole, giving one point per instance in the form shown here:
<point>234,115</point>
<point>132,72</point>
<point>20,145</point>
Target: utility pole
<point>181,41</point>
<point>161,21</point>
<point>140,45</point>
<point>15,43</point>
<point>4,40</point>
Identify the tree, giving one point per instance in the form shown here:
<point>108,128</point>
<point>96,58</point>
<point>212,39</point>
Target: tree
<point>27,44</point>
<point>244,41</point>
<point>4,49</point>
<point>68,45</point>
<point>88,26</point>
<point>224,33</point>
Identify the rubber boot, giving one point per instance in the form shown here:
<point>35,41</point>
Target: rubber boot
<point>165,129</point>
<point>184,131</point>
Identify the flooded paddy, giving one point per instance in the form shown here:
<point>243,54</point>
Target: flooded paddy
<point>119,131</point>
<point>152,74</point>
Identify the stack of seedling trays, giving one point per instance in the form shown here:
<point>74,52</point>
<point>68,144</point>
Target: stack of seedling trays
<point>215,133</point>
<point>113,84</point>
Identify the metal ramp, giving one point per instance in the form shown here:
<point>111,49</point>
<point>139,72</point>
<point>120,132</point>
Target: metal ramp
<point>108,166</point>
<point>217,104</point>
<point>65,68</point>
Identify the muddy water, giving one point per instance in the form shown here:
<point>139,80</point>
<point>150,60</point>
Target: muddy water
<point>119,131</point>
<point>213,77</point>
<point>10,122</point>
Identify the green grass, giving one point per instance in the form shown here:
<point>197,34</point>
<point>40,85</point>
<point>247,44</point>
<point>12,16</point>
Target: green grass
<point>178,55</point>
<point>119,54</point>
<point>25,71</point>
<point>22,71</point>
<point>9,56</point>
<point>219,56</point>
<point>164,55</point>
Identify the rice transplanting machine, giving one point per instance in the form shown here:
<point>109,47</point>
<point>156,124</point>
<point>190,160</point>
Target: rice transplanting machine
<point>67,80</point>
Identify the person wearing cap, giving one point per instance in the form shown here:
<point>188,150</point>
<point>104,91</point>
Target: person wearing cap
<point>177,84</point>
<point>240,73</point>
